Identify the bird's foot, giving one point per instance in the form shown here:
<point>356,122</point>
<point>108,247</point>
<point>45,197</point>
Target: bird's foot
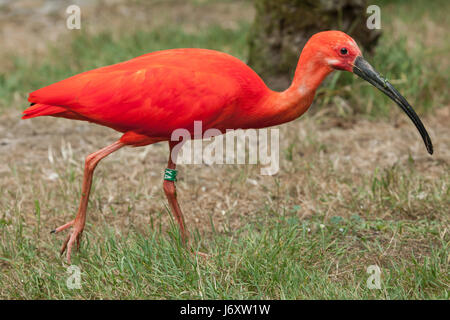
<point>74,235</point>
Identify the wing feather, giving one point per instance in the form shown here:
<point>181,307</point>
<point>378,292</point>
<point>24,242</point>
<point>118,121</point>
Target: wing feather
<point>156,93</point>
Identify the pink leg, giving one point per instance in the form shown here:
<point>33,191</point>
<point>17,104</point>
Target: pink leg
<point>171,194</point>
<point>78,223</point>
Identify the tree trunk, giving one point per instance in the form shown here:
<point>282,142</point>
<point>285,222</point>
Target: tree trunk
<point>282,27</point>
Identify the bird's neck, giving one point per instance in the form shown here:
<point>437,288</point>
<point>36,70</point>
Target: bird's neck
<point>281,107</point>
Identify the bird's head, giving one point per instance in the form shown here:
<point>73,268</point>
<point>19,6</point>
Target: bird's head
<point>338,51</point>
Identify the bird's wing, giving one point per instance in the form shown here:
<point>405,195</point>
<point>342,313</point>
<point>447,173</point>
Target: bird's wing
<point>153,99</point>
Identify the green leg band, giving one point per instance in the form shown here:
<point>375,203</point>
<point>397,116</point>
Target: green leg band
<point>170,175</point>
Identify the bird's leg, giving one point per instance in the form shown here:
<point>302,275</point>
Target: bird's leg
<point>170,191</point>
<point>171,194</point>
<point>78,223</point>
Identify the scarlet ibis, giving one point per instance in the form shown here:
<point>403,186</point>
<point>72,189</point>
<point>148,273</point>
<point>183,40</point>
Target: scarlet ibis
<point>148,97</point>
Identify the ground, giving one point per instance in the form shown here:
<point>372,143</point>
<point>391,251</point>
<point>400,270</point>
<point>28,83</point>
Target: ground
<point>355,186</point>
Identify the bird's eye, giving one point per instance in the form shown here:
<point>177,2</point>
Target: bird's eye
<point>344,51</point>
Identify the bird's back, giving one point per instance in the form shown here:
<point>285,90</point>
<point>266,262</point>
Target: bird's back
<point>157,93</point>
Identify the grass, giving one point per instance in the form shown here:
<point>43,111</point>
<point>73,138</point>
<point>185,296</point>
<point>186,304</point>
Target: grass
<point>285,258</point>
<point>395,219</point>
<point>346,197</point>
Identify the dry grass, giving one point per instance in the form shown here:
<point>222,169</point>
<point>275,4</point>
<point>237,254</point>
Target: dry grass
<point>330,167</point>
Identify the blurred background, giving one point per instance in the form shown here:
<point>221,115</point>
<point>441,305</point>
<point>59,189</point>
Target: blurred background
<point>353,164</point>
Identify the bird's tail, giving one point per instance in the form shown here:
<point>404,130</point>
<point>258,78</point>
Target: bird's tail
<point>38,109</point>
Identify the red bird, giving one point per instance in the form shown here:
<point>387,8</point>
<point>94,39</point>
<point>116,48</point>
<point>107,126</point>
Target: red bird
<point>148,97</point>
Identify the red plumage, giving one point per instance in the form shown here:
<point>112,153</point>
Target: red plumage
<point>156,93</point>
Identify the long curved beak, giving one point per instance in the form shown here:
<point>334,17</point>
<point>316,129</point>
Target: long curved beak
<point>364,70</point>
